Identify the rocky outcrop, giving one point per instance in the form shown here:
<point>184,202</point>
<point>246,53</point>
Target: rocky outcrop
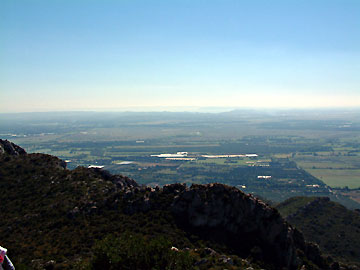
<point>10,148</point>
<point>122,182</point>
<point>244,222</point>
<point>227,215</point>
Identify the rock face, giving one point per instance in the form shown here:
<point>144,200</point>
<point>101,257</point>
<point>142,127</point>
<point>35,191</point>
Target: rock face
<point>227,215</point>
<point>242,221</point>
<point>122,182</point>
<point>10,148</point>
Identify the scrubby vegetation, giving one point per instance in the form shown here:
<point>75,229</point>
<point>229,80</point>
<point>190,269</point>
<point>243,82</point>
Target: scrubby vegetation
<point>134,251</point>
<point>335,228</point>
<point>54,218</point>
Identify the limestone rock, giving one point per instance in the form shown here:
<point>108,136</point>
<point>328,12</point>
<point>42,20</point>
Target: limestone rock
<point>10,148</point>
<point>243,221</point>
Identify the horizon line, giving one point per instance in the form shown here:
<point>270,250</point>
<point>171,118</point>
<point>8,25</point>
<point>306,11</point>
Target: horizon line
<point>179,109</point>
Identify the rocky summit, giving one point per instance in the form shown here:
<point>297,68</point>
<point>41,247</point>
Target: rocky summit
<point>55,218</point>
<point>7,147</point>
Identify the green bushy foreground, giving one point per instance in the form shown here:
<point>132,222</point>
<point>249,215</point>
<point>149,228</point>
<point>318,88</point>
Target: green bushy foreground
<point>134,251</point>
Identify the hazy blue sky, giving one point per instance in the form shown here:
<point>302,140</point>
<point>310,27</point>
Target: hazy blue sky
<point>69,54</point>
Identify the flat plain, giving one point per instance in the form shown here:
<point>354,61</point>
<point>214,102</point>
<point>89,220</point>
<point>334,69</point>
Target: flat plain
<point>304,152</point>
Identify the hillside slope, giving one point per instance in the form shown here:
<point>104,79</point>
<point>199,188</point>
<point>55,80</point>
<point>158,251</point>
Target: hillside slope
<point>335,228</point>
<point>54,218</point>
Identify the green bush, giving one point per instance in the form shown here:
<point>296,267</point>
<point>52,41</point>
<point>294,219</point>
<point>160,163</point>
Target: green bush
<point>135,251</point>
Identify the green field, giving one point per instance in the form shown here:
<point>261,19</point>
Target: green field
<point>318,164</point>
<point>338,169</point>
<point>337,177</point>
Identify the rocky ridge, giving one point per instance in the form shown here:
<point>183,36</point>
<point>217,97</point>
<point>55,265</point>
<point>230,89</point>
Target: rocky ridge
<point>7,147</point>
<point>214,212</point>
<point>225,214</point>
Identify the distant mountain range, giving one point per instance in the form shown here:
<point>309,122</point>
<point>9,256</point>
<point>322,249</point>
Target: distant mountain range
<point>55,218</point>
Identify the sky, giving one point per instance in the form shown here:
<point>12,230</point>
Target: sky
<point>63,55</point>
